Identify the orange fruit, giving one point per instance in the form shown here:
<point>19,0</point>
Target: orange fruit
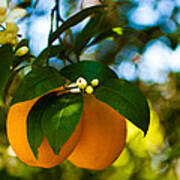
<point>17,135</point>
<point>102,138</point>
<point>95,144</point>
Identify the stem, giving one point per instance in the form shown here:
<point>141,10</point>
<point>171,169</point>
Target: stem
<point>50,33</point>
<point>56,11</point>
<point>59,18</point>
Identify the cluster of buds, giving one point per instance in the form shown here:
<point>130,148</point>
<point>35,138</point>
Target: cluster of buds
<point>81,85</point>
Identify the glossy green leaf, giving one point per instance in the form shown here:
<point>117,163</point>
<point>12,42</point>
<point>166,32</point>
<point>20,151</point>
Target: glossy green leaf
<point>89,70</point>
<point>126,99</point>
<point>60,118</point>
<point>77,18</point>
<point>38,82</point>
<point>92,28</point>
<point>6,60</point>
<point>54,117</point>
<point>34,130</point>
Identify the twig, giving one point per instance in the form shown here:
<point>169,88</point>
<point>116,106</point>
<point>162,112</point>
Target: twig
<point>56,11</point>
<point>50,33</point>
<point>59,18</point>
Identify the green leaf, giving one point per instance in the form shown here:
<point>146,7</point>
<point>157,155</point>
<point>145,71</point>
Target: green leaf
<point>92,28</point>
<point>89,70</point>
<point>51,51</point>
<point>60,118</point>
<point>77,18</point>
<point>102,36</point>
<point>34,130</point>
<point>54,117</point>
<point>38,82</point>
<point>126,99</point>
<point>6,60</point>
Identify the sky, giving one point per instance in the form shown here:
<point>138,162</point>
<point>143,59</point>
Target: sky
<point>157,60</point>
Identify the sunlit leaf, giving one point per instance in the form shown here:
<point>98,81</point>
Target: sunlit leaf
<point>60,118</point>
<point>126,99</point>
<point>54,117</point>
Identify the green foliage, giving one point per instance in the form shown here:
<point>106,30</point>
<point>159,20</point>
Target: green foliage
<point>54,117</point>
<point>49,52</point>
<point>121,95</point>
<point>60,118</point>
<point>38,82</point>
<point>89,70</point>
<point>92,28</point>
<point>102,36</point>
<point>126,99</point>
<point>34,130</point>
<point>77,18</point>
<point>6,60</point>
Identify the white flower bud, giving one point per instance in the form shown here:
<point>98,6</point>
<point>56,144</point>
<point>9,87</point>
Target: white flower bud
<point>81,83</point>
<point>72,85</point>
<point>75,90</point>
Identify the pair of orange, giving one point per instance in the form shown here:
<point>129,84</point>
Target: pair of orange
<point>95,144</point>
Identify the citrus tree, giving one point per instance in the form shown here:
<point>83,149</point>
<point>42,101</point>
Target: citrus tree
<point>79,111</point>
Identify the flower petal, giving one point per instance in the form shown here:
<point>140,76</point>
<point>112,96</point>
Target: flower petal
<point>15,13</point>
<point>11,27</point>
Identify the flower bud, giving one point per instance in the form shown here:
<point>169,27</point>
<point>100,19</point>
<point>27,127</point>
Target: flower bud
<point>72,85</point>
<point>22,51</point>
<point>81,83</point>
<point>75,90</point>
<point>89,90</point>
<point>95,82</point>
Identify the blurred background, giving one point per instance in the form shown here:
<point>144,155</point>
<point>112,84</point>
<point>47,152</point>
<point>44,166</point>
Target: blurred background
<point>146,52</point>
